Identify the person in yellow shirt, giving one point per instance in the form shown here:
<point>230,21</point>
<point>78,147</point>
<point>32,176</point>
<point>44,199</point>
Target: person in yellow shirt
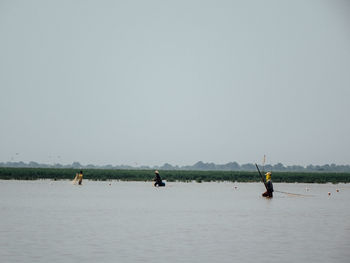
<point>269,186</point>
<point>78,178</point>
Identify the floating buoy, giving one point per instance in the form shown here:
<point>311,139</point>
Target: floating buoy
<point>329,193</point>
<point>235,187</point>
<point>337,190</point>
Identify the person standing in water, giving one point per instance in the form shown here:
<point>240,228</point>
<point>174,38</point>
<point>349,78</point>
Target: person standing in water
<point>269,186</point>
<point>78,178</point>
<point>157,180</point>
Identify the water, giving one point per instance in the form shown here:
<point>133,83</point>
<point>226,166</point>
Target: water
<point>55,221</point>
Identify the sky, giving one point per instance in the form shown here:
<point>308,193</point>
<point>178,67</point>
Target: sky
<point>153,82</point>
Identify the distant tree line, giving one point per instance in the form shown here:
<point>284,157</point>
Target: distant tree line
<point>199,166</point>
<point>7,173</point>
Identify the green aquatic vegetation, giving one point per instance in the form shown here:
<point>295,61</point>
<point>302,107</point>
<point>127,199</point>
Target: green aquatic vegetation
<point>170,175</point>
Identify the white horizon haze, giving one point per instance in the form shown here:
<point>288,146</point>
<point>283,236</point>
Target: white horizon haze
<point>154,82</point>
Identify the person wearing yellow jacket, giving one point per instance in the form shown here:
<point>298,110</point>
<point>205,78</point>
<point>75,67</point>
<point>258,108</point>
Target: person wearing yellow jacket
<point>269,186</point>
<point>78,178</point>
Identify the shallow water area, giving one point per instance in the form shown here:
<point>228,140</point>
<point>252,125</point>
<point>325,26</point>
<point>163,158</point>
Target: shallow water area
<point>113,221</point>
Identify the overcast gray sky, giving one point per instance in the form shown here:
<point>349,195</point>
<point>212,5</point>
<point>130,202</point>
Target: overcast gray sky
<point>149,82</point>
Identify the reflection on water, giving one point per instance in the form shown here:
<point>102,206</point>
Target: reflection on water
<point>55,221</point>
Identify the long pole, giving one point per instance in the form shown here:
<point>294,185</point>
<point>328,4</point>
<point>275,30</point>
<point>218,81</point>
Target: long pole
<point>262,177</point>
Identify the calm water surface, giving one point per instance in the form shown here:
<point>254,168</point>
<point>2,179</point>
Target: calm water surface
<point>55,221</point>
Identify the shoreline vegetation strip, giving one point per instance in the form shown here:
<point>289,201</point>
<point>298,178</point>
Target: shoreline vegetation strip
<point>170,175</point>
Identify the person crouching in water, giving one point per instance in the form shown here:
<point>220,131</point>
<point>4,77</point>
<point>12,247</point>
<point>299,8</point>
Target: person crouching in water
<point>269,186</point>
<point>157,180</point>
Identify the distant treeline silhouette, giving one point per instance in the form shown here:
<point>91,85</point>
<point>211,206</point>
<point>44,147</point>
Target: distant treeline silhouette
<point>199,166</point>
<point>169,175</point>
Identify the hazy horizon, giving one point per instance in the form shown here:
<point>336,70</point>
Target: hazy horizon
<point>154,82</point>
<point>136,165</point>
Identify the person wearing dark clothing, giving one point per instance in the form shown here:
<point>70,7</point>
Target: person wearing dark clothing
<point>80,177</point>
<point>157,180</point>
<point>269,186</point>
